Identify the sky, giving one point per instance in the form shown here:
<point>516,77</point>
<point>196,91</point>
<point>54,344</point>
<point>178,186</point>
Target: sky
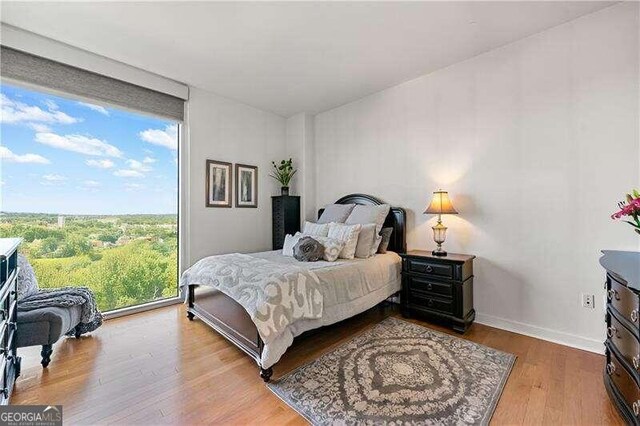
<point>60,155</point>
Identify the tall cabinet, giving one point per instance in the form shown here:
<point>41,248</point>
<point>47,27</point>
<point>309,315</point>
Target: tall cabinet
<point>9,360</point>
<point>285,216</point>
<point>622,347</point>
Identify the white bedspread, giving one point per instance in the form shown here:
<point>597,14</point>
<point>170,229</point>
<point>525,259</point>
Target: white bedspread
<point>348,287</point>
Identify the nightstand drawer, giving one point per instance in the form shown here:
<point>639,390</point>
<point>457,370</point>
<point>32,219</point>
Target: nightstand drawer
<point>434,288</point>
<point>421,300</point>
<point>443,270</point>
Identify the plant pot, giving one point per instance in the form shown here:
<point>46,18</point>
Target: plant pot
<point>284,190</point>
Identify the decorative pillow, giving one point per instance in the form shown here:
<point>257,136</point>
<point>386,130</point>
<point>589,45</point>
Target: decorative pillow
<point>366,239</point>
<point>289,242</point>
<point>332,248</point>
<point>308,249</point>
<point>386,238</point>
<point>317,229</point>
<point>370,214</point>
<point>347,234</point>
<point>336,213</point>
<point>27,281</point>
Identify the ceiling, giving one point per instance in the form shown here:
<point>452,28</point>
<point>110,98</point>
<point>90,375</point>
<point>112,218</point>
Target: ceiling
<point>290,57</point>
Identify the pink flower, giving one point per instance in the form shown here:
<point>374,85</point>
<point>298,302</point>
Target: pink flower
<point>631,208</point>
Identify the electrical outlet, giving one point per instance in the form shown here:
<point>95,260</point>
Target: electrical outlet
<point>588,301</point>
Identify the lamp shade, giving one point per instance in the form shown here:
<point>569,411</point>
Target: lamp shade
<point>440,204</point>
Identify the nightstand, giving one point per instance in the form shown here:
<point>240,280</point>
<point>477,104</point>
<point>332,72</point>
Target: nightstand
<point>438,287</point>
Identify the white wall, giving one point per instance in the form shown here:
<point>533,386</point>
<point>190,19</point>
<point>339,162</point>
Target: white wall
<point>536,142</point>
<point>300,147</point>
<point>225,130</point>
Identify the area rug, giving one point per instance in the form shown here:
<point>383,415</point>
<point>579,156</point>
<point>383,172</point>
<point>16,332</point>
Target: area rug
<point>399,373</point>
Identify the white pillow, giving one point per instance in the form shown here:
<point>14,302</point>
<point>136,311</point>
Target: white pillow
<point>289,242</point>
<point>332,247</point>
<point>347,234</point>
<point>317,229</point>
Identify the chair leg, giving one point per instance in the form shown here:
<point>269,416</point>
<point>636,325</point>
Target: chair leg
<point>46,352</point>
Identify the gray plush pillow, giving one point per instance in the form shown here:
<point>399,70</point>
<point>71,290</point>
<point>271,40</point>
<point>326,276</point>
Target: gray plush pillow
<point>27,282</point>
<point>308,250</point>
<point>385,233</point>
<point>336,213</point>
<point>366,239</point>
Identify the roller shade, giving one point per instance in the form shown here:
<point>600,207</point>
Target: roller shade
<point>31,69</point>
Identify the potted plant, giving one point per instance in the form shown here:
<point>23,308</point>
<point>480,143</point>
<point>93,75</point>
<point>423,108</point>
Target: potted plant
<point>283,174</point>
<point>630,209</point>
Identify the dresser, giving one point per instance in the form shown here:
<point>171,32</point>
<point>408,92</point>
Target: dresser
<point>9,360</point>
<point>440,288</point>
<point>622,347</point>
<point>285,216</point>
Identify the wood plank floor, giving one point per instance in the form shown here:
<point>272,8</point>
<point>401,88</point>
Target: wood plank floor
<point>159,368</point>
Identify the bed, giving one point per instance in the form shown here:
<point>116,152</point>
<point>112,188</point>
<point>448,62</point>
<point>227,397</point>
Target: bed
<point>347,288</point>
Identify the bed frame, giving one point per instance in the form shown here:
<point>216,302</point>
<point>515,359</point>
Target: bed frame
<point>229,318</point>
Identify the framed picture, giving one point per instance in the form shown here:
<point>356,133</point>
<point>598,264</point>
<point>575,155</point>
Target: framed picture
<point>219,185</point>
<point>246,186</point>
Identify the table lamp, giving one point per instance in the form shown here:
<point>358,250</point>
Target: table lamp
<point>440,204</point>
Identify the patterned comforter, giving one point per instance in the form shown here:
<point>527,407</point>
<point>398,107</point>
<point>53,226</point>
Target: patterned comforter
<point>274,294</point>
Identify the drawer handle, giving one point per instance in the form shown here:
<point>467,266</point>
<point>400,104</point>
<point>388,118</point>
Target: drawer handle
<point>430,302</point>
<point>636,361</point>
<point>429,268</point>
<point>634,315</point>
<point>611,368</point>
<point>613,293</point>
<point>429,287</point>
<point>611,331</point>
<point>636,408</point>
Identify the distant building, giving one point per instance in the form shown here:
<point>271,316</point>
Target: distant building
<point>60,221</point>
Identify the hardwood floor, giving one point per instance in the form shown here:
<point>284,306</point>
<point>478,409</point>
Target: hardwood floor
<point>159,368</point>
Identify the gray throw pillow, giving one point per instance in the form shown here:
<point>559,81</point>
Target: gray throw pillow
<point>385,233</point>
<point>336,213</point>
<point>27,282</point>
<point>308,250</point>
<point>366,239</point>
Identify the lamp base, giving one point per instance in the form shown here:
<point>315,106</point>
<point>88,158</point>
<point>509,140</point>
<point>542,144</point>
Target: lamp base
<point>441,253</point>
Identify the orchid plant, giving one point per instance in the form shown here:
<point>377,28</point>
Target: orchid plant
<point>631,209</point>
<point>283,172</point>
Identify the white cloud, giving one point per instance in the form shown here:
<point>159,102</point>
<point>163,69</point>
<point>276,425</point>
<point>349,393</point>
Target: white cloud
<point>101,164</point>
<point>15,112</point>
<point>97,108</point>
<point>79,143</point>
<point>133,186</point>
<point>41,128</point>
<point>139,166</point>
<point>167,137</point>
<point>128,173</point>
<point>51,105</point>
<point>10,157</point>
<point>149,160</point>
<point>53,179</point>
<point>91,184</point>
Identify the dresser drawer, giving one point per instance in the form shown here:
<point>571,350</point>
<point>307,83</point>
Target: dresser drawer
<point>623,381</point>
<point>625,341</point>
<point>623,300</point>
<point>444,270</point>
<point>422,300</point>
<point>433,288</point>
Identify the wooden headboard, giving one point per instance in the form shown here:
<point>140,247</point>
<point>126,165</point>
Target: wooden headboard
<point>397,219</point>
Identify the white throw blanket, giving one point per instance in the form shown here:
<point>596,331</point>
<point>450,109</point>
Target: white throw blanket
<point>274,294</point>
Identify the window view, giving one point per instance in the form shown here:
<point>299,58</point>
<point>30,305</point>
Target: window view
<point>93,192</point>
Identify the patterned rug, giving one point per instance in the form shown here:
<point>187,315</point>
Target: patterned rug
<point>402,373</point>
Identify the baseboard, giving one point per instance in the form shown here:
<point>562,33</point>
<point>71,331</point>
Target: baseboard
<point>554,336</point>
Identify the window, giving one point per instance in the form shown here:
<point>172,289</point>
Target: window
<point>93,190</point>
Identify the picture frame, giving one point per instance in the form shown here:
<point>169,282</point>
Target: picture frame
<point>246,186</point>
<point>219,184</point>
